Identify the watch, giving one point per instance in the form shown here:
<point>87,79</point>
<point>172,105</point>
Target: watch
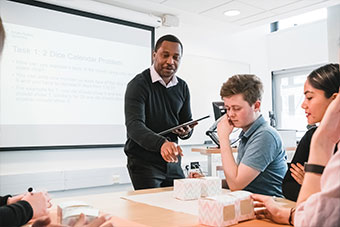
<point>313,168</point>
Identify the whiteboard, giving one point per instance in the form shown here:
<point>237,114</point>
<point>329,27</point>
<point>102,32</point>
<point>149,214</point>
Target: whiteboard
<point>205,76</point>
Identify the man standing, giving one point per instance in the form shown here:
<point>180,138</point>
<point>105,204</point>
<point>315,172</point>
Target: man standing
<point>261,160</point>
<point>156,100</point>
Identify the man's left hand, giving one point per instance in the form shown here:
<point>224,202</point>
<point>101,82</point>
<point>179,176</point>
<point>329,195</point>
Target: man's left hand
<point>184,131</point>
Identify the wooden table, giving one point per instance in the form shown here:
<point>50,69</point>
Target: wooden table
<point>149,215</point>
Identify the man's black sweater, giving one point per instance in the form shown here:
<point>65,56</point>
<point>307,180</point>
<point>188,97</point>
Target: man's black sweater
<point>15,214</point>
<point>149,109</point>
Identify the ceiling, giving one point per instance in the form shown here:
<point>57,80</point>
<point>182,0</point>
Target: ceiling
<point>253,12</point>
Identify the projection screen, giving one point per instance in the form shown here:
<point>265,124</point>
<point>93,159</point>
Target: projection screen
<point>64,74</point>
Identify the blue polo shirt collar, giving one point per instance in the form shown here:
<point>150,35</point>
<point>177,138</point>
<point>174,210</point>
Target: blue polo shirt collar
<point>257,123</point>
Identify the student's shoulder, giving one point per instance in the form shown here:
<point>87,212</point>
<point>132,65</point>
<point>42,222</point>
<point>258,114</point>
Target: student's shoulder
<point>265,128</point>
<point>268,132</point>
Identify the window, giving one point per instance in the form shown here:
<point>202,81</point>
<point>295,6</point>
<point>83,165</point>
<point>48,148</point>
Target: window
<point>288,97</point>
<point>316,15</point>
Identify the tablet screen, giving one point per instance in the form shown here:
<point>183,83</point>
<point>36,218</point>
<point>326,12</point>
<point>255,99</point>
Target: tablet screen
<point>182,125</point>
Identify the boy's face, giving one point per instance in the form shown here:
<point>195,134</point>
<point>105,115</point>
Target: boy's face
<point>241,114</point>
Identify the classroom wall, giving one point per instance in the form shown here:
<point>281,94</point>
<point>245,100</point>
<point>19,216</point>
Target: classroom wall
<point>298,46</point>
<point>59,170</point>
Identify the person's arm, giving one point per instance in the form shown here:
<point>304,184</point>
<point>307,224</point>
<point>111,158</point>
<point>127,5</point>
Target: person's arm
<point>322,208</point>
<point>322,148</point>
<point>237,176</point>
<point>101,221</point>
<point>135,101</point>
<point>39,201</point>
<point>15,214</point>
<point>268,208</point>
<point>321,152</point>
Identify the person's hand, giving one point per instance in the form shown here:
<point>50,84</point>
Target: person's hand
<point>195,175</point>
<point>97,222</point>
<point>14,199</point>
<point>170,151</point>
<point>44,221</point>
<point>270,209</point>
<point>39,202</point>
<point>224,127</point>
<point>184,131</point>
<point>297,172</point>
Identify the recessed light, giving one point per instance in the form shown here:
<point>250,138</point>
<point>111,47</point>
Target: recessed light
<point>232,13</point>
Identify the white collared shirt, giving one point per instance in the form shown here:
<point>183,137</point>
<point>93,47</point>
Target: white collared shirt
<point>156,77</point>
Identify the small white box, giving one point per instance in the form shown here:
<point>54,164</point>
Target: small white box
<point>217,210</point>
<point>61,207</point>
<point>71,215</point>
<point>245,205</point>
<point>211,186</point>
<point>69,211</point>
<point>226,209</point>
<point>187,189</point>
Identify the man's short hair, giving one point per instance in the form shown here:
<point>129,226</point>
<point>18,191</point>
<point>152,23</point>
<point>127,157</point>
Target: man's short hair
<point>250,86</point>
<point>169,38</point>
<point>2,35</point>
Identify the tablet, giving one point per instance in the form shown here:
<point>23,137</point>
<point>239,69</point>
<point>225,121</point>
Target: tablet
<point>182,125</point>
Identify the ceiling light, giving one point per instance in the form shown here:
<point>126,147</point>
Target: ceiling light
<point>232,13</point>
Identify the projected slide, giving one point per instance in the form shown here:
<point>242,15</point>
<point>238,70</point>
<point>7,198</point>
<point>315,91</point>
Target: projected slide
<point>57,78</point>
<point>64,85</point>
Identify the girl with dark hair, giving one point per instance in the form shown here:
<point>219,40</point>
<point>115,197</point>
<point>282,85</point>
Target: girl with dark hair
<point>319,200</point>
<point>320,89</point>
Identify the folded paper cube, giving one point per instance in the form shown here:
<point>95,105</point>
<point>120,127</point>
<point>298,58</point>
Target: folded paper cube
<point>227,209</point>
<point>211,186</point>
<point>69,211</point>
<point>217,210</point>
<point>62,206</point>
<point>71,215</point>
<point>245,205</point>
<point>187,189</point>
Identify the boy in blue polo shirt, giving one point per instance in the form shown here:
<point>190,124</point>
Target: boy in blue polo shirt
<point>261,161</point>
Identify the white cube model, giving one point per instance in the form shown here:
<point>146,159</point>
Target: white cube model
<point>187,189</point>
<point>211,186</point>
<point>217,210</point>
<point>245,205</point>
<point>68,212</point>
<point>226,209</point>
